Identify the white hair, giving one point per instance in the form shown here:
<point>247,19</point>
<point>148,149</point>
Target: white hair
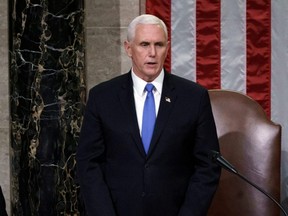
<point>145,19</point>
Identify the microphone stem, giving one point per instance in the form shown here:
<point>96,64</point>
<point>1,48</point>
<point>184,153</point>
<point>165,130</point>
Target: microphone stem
<point>264,192</point>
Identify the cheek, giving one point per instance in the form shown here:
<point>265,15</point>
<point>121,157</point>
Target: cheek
<point>139,56</point>
<point>137,60</point>
<point>163,55</point>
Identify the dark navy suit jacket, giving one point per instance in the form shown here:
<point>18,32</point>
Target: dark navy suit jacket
<point>2,204</point>
<point>175,178</point>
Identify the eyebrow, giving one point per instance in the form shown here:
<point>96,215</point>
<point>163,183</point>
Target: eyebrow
<point>161,43</point>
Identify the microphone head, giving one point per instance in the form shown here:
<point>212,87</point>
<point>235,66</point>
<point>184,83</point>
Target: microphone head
<point>214,155</point>
<point>221,161</point>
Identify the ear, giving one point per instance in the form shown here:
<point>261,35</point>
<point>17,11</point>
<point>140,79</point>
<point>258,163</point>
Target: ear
<point>168,47</point>
<point>127,47</point>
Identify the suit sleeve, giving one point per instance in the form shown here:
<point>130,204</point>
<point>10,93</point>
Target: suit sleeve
<point>205,178</point>
<point>90,156</point>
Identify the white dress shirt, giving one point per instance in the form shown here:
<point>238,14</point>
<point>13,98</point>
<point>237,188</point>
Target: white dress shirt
<point>140,94</point>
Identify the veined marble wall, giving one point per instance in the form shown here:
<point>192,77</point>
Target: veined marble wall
<point>49,77</point>
<point>47,96</point>
<point>4,103</point>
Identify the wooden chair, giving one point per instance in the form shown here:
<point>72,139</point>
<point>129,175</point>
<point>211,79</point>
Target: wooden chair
<point>252,143</point>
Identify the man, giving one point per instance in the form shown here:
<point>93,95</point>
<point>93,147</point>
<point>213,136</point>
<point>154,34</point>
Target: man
<point>172,175</point>
<point>2,204</point>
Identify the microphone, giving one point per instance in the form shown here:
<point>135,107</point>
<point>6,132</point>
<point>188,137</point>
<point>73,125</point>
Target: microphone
<point>222,162</point>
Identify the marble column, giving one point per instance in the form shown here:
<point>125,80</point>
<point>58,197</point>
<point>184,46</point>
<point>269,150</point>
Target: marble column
<point>47,97</point>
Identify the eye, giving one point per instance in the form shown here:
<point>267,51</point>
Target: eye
<point>144,44</point>
<point>159,44</point>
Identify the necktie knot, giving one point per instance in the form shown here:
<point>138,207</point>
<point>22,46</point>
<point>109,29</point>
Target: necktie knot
<point>149,87</point>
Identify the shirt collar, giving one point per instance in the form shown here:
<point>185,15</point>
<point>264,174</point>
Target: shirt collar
<point>139,84</point>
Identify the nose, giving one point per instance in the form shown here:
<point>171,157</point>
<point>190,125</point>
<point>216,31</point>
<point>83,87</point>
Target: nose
<point>152,50</point>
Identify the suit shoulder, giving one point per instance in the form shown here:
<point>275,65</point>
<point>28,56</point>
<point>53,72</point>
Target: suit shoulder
<point>111,85</point>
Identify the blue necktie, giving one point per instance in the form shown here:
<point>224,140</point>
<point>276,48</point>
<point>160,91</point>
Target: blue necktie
<point>149,117</point>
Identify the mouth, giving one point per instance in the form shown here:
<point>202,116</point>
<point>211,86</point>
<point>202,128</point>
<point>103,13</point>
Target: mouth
<point>151,63</point>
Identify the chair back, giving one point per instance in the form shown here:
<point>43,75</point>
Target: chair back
<point>252,143</point>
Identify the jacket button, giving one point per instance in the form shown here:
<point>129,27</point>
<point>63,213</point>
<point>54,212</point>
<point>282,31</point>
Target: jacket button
<point>146,166</point>
<point>143,194</point>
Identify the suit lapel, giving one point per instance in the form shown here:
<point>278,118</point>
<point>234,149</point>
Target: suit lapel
<point>126,97</point>
<point>168,99</point>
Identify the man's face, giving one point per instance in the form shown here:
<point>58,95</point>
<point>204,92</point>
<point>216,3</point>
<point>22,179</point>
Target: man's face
<point>148,51</point>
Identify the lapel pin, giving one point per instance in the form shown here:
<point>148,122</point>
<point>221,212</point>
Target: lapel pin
<point>167,99</point>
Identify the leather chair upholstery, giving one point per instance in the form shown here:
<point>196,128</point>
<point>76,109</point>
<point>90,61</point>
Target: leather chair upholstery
<point>252,143</point>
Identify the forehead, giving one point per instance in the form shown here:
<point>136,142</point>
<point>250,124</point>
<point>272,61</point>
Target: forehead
<point>149,32</point>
